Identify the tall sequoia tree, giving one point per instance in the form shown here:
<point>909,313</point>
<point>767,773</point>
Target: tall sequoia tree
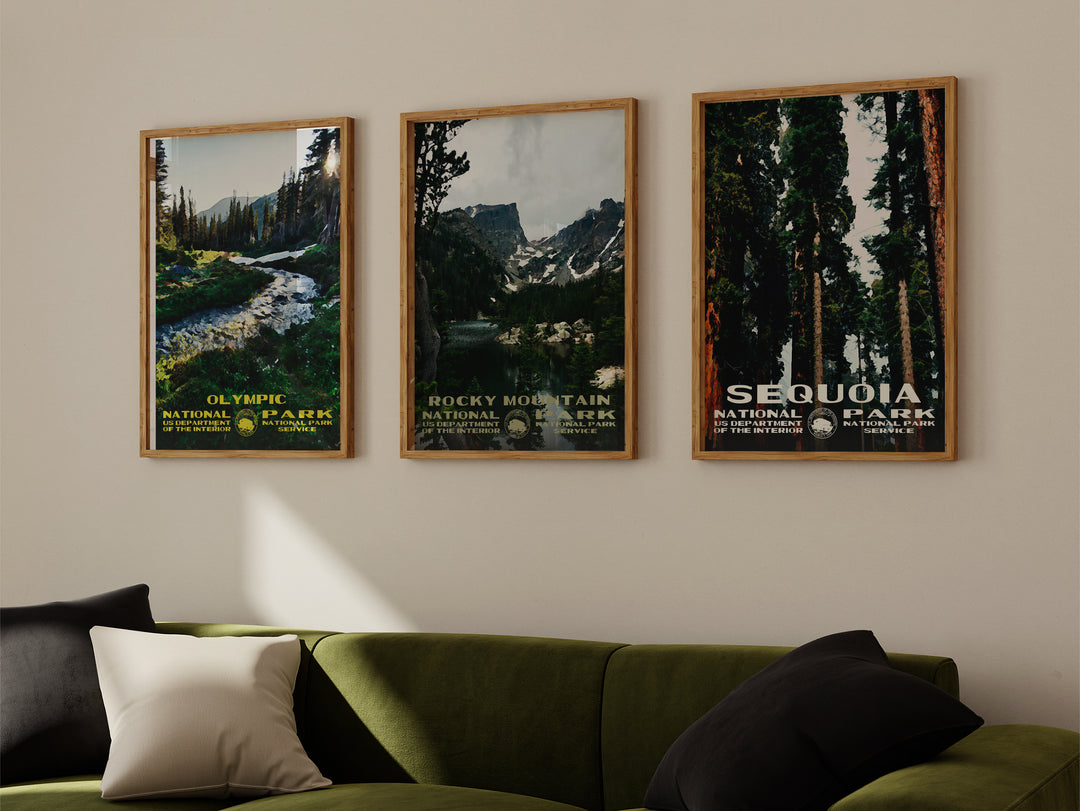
<point>746,295</point>
<point>435,166</point>
<point>931,116</point>
<point>907,303</point>
<point>819,212</point>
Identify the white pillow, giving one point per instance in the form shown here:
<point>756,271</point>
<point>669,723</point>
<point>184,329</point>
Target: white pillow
<point>200,717</point>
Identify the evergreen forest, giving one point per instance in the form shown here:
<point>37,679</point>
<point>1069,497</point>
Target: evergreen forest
<point>458,277</point>
<point>792,293</point>
<point>197,275</point>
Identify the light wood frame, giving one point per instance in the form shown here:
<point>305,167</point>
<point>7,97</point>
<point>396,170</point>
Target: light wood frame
<point>302,414</point>
<point>408,279</point>
<point>704,414</point>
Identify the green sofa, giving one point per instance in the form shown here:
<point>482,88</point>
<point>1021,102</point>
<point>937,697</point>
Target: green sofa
<point>473,722</point>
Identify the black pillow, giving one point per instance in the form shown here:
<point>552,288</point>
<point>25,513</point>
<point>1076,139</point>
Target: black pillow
<point>810,728</point>
<point>52,718</point>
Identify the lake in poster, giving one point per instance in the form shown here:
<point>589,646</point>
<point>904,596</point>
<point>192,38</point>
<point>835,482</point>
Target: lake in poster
<point>243,329</point>
<point>825,272</point>
<point>518,282</point>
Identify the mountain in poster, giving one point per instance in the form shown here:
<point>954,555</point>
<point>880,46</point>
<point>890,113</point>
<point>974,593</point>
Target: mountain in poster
<point>575,252</point>
<point>536,319</point>
<point>260,206</point>
<point>519,287</point>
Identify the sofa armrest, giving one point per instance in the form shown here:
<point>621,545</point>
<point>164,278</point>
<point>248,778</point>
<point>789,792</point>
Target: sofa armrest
<point>1012,767</point>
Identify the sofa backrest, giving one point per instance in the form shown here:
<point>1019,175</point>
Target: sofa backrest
<point>502,713</point>
<point>585,723</point>
<point>654,692</point>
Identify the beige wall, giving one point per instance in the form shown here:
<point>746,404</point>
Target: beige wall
<point>977,559</point>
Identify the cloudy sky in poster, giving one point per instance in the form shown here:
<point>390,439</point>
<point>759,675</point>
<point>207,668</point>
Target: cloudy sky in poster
<point>554,166</point>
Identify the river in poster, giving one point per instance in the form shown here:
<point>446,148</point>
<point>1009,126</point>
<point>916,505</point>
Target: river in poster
<point>247,292</point>
<point>824,279</point>
<point>519,308</point>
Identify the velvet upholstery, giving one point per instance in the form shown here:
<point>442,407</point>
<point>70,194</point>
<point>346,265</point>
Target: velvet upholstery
<point>408,797</point>
<point>1018,766</point>
<point>646,690</point>
<point>83,793</point>
<point>813,726</point>
<point>652,693</point>
<point>500,713</point>
<point>52,718</point>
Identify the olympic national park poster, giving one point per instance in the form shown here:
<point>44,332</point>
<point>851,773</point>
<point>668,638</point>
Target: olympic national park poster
<point>246,279</point>
<point>518,280</point>
<point>825,272</point>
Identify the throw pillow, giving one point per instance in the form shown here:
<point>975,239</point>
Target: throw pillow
<point>808,729</point>
<point>52,720</point>
<point>201,717</point>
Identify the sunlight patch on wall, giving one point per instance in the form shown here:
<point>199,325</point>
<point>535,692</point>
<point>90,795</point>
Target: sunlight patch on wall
<point>292,577</point>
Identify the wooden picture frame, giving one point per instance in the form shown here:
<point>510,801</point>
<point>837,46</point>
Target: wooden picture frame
<point>246,290</point>
<point>824,272</point>
<point>518,281</point>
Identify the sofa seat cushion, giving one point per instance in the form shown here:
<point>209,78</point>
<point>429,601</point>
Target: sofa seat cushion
<point>407,797</point>
<point>83,793</point>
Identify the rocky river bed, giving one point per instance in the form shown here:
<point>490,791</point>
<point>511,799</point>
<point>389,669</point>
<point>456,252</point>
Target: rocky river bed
<point>285,301</point>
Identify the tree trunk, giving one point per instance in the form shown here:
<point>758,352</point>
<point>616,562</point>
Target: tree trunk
<point>714,387</point>
<point>932,119</point>
<point>819,336</point>
<point>819,348</point>
<point>897,218</point>
<point>802,323</point>
<point>331,232</point>
<point>819,320</point>
<point>714,398</point>
<point>906,353</point>
<point>426,336</point>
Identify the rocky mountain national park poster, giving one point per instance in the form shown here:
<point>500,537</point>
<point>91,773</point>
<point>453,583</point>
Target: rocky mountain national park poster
<point>825,272</point>
<point>518,286</point>
<point>246,290</point>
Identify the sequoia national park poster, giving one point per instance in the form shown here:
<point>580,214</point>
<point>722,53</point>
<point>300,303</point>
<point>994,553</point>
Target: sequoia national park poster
<point>824,272</point>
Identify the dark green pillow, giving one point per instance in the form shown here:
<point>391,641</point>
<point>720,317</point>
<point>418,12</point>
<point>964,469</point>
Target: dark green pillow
<point>810,728</point>
<point>52,718</point>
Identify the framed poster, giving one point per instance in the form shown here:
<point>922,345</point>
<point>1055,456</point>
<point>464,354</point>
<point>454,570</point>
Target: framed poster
<point>518,281</point>
<point>824,263</point>
<point>246,286</point>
